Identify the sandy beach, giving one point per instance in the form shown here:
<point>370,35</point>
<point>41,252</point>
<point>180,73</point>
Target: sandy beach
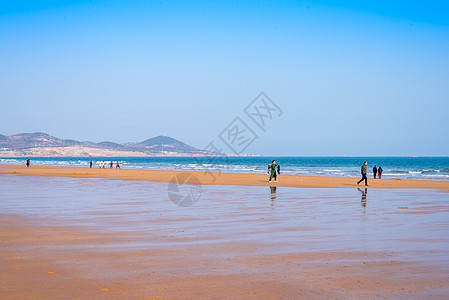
<point>45,262</point>
<point>138,139</point>
<point>210,178</point>
<point>74,233</point>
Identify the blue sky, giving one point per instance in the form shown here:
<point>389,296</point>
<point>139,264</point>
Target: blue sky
<point>351,78</point>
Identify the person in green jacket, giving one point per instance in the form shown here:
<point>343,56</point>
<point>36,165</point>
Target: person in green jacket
<point>272,170</point>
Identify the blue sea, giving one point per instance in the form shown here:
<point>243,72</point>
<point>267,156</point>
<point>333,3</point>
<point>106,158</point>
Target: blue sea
<point>434,168</point>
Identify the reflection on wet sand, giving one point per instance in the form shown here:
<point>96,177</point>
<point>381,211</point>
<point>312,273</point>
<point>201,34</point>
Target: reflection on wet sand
<point>273,194</point>
<point>364,192</point>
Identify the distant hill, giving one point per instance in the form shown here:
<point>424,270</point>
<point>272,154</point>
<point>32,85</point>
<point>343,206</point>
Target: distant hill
<point>163,143</point>
<point>108,145</point>
<point>30,140</point>
<point>38,140</point>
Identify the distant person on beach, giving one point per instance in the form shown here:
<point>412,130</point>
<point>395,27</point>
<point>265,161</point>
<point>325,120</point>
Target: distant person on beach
<point>91,164</point>
<point>380,172</point>
<point>111,164</point>
<point>103,164</point>
<point>272,170</point>
<point>117,166</point>
<point>375,171</point>
<point>28,162</point>
<point>363,170</point>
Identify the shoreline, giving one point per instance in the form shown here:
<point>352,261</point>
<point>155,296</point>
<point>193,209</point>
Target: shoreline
<point>217,178</point>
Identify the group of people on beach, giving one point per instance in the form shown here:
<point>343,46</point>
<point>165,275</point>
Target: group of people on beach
<point>102,164</point>
<point>274,169</point>
<point>376,171</point>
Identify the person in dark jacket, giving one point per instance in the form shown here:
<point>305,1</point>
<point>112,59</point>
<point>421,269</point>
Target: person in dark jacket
<point>380,172</point>
<point>375,171</point>
<point>90,164</point>
<point>363,170</point>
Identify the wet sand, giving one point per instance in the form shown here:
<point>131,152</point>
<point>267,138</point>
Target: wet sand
<point>76,238</point>
<point>210,178</point>
<point>48,262</point>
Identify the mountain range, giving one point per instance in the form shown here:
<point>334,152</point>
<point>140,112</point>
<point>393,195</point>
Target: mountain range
<point>26,143</point>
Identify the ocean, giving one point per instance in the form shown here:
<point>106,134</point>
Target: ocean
<point>433,168</point>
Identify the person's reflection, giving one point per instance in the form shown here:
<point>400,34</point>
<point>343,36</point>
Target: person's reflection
<point>273,194</point>
<point>364,192</point>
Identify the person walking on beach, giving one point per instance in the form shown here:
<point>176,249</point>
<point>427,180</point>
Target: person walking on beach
<point>375,171</point>
<point>28,162</point>
<point>117,166</point>
<point>103,164</point>
<point>364,174</point>
<point>111,164</point>
<point>91,164</point>
<point>272,170</point>
<point>380,172</point>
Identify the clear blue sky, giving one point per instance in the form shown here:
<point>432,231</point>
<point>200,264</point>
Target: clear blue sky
<point>352,79</point>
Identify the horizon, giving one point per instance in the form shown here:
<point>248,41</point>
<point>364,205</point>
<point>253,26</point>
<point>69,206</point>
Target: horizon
<point>353,79</point>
